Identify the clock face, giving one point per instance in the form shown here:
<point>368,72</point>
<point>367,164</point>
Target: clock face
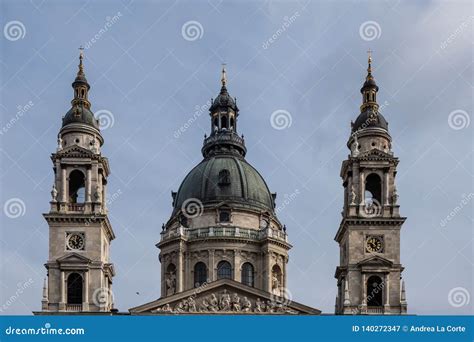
<point>75,241</point>
<point>374,244</point>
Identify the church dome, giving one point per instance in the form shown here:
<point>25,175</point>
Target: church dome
<point>223,100</point>
<point>369,118</point>
<point>225,178</point>
<point>79,114</point>
<point>80,111</point>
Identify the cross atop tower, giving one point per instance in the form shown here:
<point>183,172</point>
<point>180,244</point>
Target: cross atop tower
<point>369,53</point>
<point>224,75</point>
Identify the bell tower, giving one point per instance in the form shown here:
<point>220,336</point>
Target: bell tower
<point>79,272</point>
<point>369,275</point>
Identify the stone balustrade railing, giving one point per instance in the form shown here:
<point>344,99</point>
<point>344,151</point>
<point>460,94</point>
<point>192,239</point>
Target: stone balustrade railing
<point>236,232</point>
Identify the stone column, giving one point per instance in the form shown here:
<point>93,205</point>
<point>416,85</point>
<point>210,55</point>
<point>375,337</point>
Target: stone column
<point>88,185</point>
<point>268,268</point>
<point>362,188</point>
<point>237,270</point>
<point>387,187</point>
<point>211,274</point>
<point>387,292</point>
<point>180,270</point>
<point>62,289</point>
<point>363,307</point>
<point>63,185</point>
<point>85,304</point>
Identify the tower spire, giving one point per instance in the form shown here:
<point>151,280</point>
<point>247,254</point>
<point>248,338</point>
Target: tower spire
<point>224,75</point>
<point>369,89</point>
<point>369,62</point>
<point>80,84</point>
<point>80,72</point>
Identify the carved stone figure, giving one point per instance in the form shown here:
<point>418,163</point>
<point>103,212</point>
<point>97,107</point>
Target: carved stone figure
<point>225,301</point>
<point>394,196</point>
<point>275,284</point>
<point>54,194</point>
<point>235,302</point>
<point>353,196</point>
<point>213,303</point>
<point>355,147</point>
<point>246,305</point>
<point>170,283</point>
<point>259,306</point>
<point>191,304</point>
<point>270,306</point>
<point>179,307</point>
<point>97,194</point>
<point>60,143</point>
<point>166,308</point>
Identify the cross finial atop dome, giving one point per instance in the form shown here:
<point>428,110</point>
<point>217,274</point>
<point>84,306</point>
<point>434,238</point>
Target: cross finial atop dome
<point>369,68</point>
<point>81,57</point>
<point>224,75</point>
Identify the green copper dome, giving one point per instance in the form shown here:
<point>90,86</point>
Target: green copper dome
<point>225,178</point>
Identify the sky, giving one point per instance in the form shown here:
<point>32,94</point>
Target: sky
<point>296,68</point>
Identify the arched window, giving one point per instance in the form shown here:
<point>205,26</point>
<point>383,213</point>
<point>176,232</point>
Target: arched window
<point>76,187</point>
<point>374,291</point>
<point>216,124</point>
<point>247,274</point>
<point>74,288</point>
<point>373,189</point>
<point>224,177</point>
<point>200,274</point>
<point>224,122</point>
<point>224,270</point>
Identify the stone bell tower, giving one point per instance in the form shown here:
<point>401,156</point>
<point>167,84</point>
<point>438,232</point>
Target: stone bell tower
<point>369,273</point>
<point>78,268</point>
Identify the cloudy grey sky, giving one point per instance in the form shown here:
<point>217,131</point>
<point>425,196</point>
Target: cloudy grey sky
<point>151,75</point>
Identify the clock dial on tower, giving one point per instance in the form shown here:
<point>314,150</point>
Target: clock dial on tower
<point>374,244</point>
<point>75,241</point>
